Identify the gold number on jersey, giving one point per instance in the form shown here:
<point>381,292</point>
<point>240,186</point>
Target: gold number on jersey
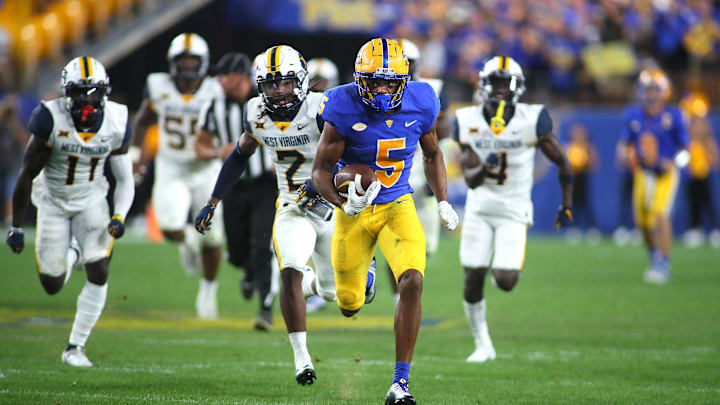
<point>497,171</point>
<point>294,167</point>
<point>174,128</point>
<point>383,159</point>
<point>72,165</point>
<point>322,105</point>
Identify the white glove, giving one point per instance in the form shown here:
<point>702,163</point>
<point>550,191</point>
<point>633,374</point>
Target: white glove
<point>448,215</point>
<point>355,203</point>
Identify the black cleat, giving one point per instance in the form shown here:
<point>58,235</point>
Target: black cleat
<point>306,377</point>
<point>247,288</point>
<point>399,393</point>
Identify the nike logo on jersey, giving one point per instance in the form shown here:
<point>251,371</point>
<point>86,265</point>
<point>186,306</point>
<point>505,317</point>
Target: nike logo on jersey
<point>105,139</point>
<point>407,124</point>
<point>301,126</point>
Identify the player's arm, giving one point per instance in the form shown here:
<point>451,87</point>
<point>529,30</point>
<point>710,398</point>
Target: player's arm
<point>472,167</point>
<point>144,118</point>
<point>37,154</point>
<point>232,169</point>
<point>121,166</point>
<point>434,165</point>
<point>552,148</point>
<point>205,147</point>
<point>330,149</point>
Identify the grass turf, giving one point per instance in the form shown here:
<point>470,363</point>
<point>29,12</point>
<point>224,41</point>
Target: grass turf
<point>581,327</point>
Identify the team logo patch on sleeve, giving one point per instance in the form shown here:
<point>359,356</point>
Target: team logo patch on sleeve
<point>359,126</point>
<point>389,123</point>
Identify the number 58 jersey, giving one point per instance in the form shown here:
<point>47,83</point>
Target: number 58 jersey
<point>291,145</point>
<point>178,115</point>
<point>505,193</point>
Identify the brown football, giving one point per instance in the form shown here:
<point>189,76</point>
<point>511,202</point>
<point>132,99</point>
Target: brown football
<point>347,174</point>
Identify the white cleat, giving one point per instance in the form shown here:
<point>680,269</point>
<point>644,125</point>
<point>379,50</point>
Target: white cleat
<point>206,306</point>
<point>76,357</point>
<point>482,354</point>
<point>656,277</point>
<point>190,259</point>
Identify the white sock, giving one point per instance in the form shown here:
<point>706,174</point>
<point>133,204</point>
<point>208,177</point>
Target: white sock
<point>70,259</point>
<point>90,304</point>
<point>307,282</point>
<point>478,325</point>
<point>302,357</point>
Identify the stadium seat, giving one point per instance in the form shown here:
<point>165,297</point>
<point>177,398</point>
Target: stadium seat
<point>99,15</point>
<point>74,18</point>
<point>51,30</point>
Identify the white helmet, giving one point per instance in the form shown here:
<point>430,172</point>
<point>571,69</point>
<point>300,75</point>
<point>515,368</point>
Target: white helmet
<point>412,53</point>
<point>255,64</point>
<point>501,68</point>
<point>282,66</point>
<point>188,44</point>
<point>85,86</point>
<point>323,68</point>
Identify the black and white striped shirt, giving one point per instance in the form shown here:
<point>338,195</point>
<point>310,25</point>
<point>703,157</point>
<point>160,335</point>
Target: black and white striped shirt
<point>224,119</point>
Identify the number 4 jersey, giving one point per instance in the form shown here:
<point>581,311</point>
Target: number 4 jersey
<point>505,193</point>
<point>291,145</point>
<point>178,115</point>
<point>73,178</point>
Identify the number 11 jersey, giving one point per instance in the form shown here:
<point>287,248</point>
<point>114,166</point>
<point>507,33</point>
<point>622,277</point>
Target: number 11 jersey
<point>505,193</point>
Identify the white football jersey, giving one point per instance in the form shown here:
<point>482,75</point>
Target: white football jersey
<point>291,145</point>
<point>417,175</point>
<point>506,190</point>
<point>73,177</point>
<point>178,115</point>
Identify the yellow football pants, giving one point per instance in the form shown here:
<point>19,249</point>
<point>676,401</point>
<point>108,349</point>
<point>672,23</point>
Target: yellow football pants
<point>652,196</point>
<point>395,227</point>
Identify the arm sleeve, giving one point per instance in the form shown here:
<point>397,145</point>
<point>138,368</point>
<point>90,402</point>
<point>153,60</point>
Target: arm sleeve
<point>41,123</point>
<point>433,111</point>
<point>326,110</point>
<point>231,171</point>
<point>245,123</point>
<point>544,123</point>
<point>121,166</point>
<point>455,130</point>
<point>320,122</point>
<point>681,131</point>
<point>628,135</point>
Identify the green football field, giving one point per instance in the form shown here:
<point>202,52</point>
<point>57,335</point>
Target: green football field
<point>580,328</point>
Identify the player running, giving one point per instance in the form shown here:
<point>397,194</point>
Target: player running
<point>174,100</point>
<point>378,121</point>
<point>498,139</point>
<point>282,119</point>
<point>72,137</point>
<point>657,139</point>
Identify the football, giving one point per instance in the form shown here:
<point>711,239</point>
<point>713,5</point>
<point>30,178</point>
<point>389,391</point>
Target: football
<point>347,174</point>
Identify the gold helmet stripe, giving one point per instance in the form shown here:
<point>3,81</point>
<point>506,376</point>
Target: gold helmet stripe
<point>276,58</point>
<point>89,66</point>
<point>188,42</point>
<point>83,67</point>
<point>505,62</point>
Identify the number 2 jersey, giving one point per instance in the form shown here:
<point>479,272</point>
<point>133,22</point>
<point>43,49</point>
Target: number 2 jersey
<point>291,145</point>
<point>73,178</point>
<point>385,142</point>
<point>178,115</point>
<point>505,193</point>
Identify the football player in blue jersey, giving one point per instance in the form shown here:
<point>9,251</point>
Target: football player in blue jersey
<point>657,140</point>
<point>378,121</point>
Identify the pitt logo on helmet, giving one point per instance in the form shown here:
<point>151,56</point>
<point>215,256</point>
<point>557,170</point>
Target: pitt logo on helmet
<point>381,61</point>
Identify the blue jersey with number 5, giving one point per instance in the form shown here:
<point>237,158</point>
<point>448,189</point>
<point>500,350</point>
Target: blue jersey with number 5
<point>385,142</point>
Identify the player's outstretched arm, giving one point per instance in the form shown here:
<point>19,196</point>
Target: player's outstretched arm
<point>36,157</point>
<point>436,176</point>
<point>232,168</point>
<point>121,166</point>
<point>553,149</point>
<point>330,149</point>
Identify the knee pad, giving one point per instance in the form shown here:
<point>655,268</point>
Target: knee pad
<point>349,299</point>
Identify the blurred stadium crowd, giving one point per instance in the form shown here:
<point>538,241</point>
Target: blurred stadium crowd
<point>573,52</point>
